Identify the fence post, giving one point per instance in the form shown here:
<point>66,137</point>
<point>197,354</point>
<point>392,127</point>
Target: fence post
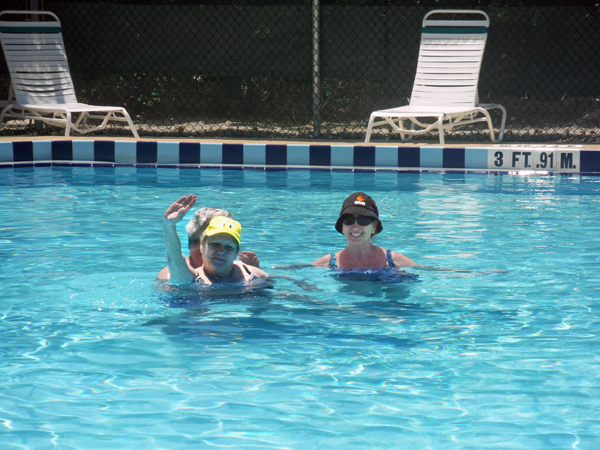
<point>316,70</point>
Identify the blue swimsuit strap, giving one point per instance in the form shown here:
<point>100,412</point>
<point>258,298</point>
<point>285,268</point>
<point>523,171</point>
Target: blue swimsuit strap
<point>333,262</point>
<point>388,259</point>
<point>252,276</point>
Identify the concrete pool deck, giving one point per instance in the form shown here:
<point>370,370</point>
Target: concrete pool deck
<point>457,157</point>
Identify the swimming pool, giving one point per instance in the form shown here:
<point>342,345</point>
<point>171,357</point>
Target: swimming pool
<point>96,355</point>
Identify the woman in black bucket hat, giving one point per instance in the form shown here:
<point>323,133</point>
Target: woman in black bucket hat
<point>359,222</point>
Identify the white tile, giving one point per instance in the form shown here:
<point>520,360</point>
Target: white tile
<point>386,156</point>
<point>567,160</point>
<point>298,155</point>
<point>211,153</point>
<point>83,150</point>
<point>167,153</point>
<point>255,154</point>
<point>476,158</point>
<point>432,157</point>
<point>6,152</point>
<point>125,152</point>
<point>42,150</point>
<point>342,156</point>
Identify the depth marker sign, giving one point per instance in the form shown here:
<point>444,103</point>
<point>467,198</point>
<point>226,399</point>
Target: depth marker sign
<point>535,159</point>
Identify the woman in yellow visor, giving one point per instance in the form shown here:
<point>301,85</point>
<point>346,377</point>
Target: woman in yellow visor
<point>220,244</point>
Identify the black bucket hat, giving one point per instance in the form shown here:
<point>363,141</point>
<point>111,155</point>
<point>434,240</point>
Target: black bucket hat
<point>359,204</point>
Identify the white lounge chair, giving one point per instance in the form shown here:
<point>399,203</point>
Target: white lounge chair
<point>445,89</point>
<point>41,84</point>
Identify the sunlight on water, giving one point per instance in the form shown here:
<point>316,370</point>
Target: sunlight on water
<point>96,353</point>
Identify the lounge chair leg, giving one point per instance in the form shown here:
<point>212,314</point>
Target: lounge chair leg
<point>84,121</point>
<point>502,123</point>
<point>4,110</point>
<point>490,126</point>
<point>413,127</point>
<point>369,129</point>
<point>68,124</point>
<point>131,125</point>
<point>441,128</point>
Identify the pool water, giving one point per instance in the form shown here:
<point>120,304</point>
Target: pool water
<point>96,354</point>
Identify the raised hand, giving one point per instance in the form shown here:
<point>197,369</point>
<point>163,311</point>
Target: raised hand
<point>179,209</point>
<point>249,258</point>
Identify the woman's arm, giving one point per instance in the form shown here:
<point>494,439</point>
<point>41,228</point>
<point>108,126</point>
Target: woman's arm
<point>256,271</point>
<point>323,261</point>
<point>179,270</point>
<point>402,261</point>
<point>442,269</point>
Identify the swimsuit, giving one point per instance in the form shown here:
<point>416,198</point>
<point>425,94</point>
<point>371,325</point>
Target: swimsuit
<point>389,261</point>
<point>200,281</point>
<point>252,276</point>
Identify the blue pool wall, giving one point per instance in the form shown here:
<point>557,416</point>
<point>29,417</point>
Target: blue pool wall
<point>283,156</point>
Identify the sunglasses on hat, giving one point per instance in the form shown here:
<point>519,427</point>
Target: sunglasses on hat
<point>363,221</point>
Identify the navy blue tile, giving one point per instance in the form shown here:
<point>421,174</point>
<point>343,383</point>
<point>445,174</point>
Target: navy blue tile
<point>189,153</point>
<point>453,158</point>
<point>147,152</point>
<point>62,150</point>
<point>589,161</point>
<point>409,157</point>
<point>22,151</point>
<point>104,151</point>
<point>319,155</point>
<point>276,155</point>
<point>233,153</point>
<point>364,156</point>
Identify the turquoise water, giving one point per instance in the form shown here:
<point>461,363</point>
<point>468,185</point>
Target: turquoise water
<point>95,355</point>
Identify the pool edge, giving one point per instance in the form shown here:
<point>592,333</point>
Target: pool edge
<point>523,159</point>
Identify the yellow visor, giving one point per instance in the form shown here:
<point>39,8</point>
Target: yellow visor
<point>222,224</point>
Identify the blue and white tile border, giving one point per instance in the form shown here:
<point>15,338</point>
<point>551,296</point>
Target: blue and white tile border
<point>503,158</point>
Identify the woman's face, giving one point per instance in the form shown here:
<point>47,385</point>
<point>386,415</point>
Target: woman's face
<point>355,232</point>
<point>219,252</point>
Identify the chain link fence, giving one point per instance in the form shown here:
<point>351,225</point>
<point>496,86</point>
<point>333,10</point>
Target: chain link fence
<point>247,69</point>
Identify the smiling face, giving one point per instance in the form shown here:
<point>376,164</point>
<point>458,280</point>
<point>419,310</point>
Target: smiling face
<point>219,252</point>
<point>357,234</point>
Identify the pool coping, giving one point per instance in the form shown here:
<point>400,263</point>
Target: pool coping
<point>512,158</point>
